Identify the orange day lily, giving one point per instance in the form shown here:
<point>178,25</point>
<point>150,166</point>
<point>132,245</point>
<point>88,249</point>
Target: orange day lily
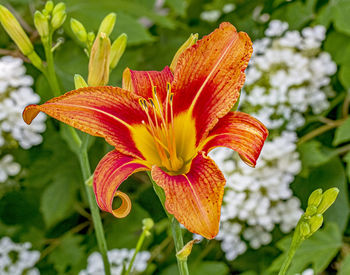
<point>167,122</point>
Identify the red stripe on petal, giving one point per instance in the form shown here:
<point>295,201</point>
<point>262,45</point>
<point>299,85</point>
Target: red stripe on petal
<point>195,198</point>
<point>210,74</point>
<point>141,82</point>
<point>111,171</point>
<point>107,112</point>
<point>240,132</point>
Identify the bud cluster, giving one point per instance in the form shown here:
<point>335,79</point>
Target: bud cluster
<point>318,203</point>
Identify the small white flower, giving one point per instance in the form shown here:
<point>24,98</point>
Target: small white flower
<point>8,168</point>
<point>276,28</point>
<point>210,16</point>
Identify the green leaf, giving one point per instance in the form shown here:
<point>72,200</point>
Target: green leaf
<point>341,12</point>
<point>335,41</point>
<point>344,76</point>
<point>330,174</point>
<point>347,160</point>
<point>179,6</point>
<point>58,199</point>
<point>342,133</point>
<point>69,257</point>
<point>313,154</point>
<point>345,266</point>
<point>318,251</point>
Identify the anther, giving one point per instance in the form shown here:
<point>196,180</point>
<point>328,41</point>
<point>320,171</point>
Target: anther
<point>152,102</point>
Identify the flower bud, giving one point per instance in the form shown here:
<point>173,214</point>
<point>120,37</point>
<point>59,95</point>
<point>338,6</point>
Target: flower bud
<point>188,43</point>
<point>186,250</point>
<point>99,61</point>
<point>15,31</point>
<point>41,24</point>
<point>147,224</point>
<point>328,199</point>
<point>79,81</point>
<point>117,50</point>
<point>315,223</point>
<point>304,229</point>
<point>79,30</point>
<point>311,210</point>
<point>315,197</point>
<point>107,24</point>
<point>58,15</point>
<point>49,6</point>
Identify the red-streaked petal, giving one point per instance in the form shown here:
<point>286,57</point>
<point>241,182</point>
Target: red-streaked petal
<point>209,75</point>
<point>141,82</point>
<point>108,112</point>
<point>195,198</point>
<point>240,132</point>
<point>111,171</point>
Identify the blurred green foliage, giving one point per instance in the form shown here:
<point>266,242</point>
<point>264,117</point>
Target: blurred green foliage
<point>49,208</point>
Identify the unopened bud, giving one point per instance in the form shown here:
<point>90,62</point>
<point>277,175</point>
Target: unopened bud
<point>315,197</point>
<point>41,24</point>
<point>117,50</point>
<point>304,229</point>
<point>186,250</point>
<point>147,224</point>
<point>328,199</point>
<point>90,38</point>
<point>15,31</point>
<point>107,24</point>
<point>315,223</point>
<point>99,61</point>
<point>49,6</point>
<point>79,30</point>
<point>79,81</point>
<point>58,15</point>
<point>188,43</point>
<point>311,210</point>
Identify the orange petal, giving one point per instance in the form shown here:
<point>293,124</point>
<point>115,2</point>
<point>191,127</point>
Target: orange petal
<point>108,112</point>
<point>209,75</point>
<point>195,198</point>
<point>141,82</point>
<point>240,132</point>
<point>111,171</point>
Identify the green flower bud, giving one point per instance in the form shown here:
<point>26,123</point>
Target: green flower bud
<point>79,30</point>
<point>304,229</point>
<point>49,6</point>
<point>107,24</point>
<point>41,24</point>
<point>99,61</point>
<point>58,19</point>
<point>59,8</point>
<point>117,50</point>
<point>315,197</point>
<point>188,43</point>
<point>15,31</point>
<point>90,37</point>
<point>79,81</point>
<point>315,223</point>
<point>328,199</point>
<point>311,210</point>
<point>147,224</point>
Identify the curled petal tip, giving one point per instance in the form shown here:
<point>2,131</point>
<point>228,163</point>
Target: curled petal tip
<point>29,113</point>
<point>124,209</point>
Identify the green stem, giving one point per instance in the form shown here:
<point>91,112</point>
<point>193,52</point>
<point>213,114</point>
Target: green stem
<point>50,73</point>
<point>95,212</point>
<point>179,244</point>
<point>175,228</point>
<point>137,249</point>
<point>292,249</point>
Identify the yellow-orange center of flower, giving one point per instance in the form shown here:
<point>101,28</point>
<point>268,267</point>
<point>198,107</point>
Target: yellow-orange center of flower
<point>169,142</point>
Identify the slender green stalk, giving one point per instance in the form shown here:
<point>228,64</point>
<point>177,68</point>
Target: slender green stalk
<point>51,76</point>
<point>296,241</point>
<point>95,212</point>
<point>175,228</point>
<point>137,249</point>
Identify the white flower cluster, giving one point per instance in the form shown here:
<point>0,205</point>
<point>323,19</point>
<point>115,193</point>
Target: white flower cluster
<point>214,15</point>
<point>8,168</point>
<point>285,80</point>
<point>117,258</point>
<point>15,95</point>
<point>17,259</point>
<point>288,76</point>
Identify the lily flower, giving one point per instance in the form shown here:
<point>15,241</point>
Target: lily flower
<point>167,122</point>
